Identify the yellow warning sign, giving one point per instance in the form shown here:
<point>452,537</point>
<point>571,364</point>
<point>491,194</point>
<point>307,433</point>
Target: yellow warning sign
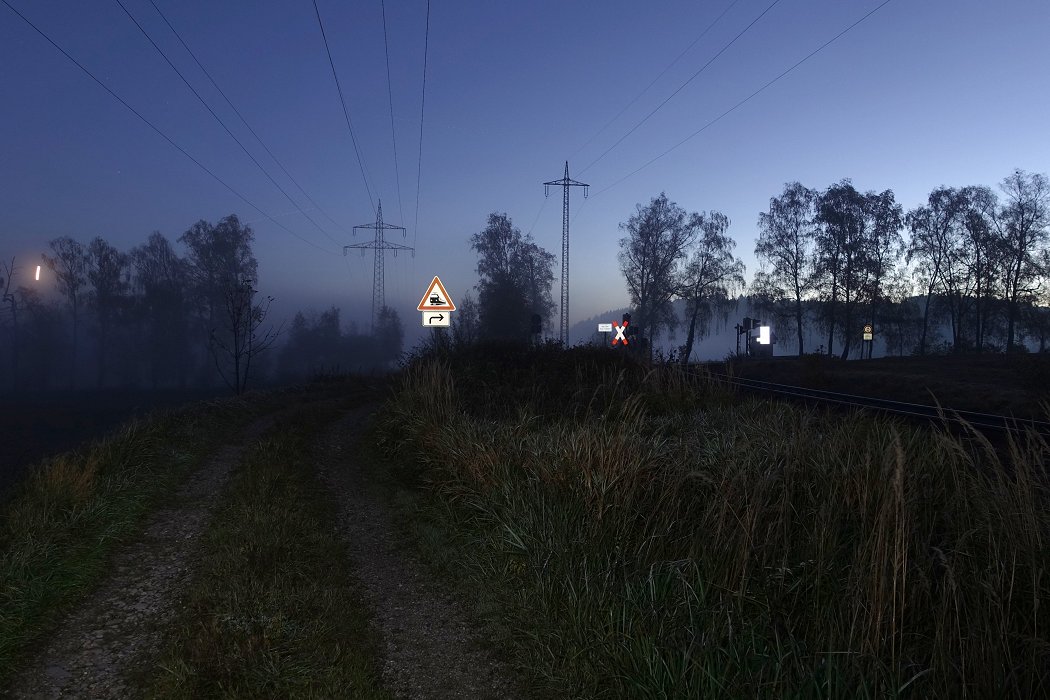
<point>436,298</point>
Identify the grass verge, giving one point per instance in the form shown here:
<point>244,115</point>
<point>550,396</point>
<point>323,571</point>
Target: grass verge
<point>273,610</point>
<point>649,535</point>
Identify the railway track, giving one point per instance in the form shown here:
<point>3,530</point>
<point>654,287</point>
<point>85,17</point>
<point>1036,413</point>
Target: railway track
<point>988,424</point>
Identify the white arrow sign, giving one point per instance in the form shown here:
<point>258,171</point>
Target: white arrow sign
<point>433,319</point>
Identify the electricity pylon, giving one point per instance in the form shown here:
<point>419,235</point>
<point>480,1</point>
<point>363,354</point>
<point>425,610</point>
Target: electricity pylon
<point>378,245</point>
<point>565,183</point>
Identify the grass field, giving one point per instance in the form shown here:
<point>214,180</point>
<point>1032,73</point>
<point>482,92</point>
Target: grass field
<point>645,533</point>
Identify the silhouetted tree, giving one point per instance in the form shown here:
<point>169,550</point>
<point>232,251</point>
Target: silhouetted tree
<point>841,257</point>
<point>161,284</point>
<point>240,338</point>
<point>883,246</point>
<point>515,277</point>
<point>109,275</point>
<point>69,265</point>
<point>465,323</point>
<point>390,335</point>
<point>658,239</point>
<point>219,260</point>
<point>785,242</point>
<point>713,272</point>
<point>1021,230</point>
<point>933,227</point>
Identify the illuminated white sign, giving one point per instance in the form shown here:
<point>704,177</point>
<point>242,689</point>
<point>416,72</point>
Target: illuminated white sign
<point>763,335</point>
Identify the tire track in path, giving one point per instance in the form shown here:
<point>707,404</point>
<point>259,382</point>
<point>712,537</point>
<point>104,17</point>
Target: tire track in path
<point>431,648</point>
<point>120,626</point>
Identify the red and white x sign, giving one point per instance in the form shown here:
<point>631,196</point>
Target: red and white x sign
<point>619,332</point>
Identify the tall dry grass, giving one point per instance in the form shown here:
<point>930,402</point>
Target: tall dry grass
<point>657,536</point>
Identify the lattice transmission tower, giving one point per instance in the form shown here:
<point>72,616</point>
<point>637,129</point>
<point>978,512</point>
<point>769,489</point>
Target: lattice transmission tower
<point>378,245</point>
<point>565,183</point>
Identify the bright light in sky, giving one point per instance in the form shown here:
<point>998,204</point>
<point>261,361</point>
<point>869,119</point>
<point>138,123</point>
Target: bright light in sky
<point>37,273</point>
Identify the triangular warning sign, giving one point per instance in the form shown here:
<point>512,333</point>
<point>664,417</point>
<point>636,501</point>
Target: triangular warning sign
<point>436,298</point>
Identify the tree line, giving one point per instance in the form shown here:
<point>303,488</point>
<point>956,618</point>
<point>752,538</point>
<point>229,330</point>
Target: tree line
<point>836,259</point>
<point>158,317</point>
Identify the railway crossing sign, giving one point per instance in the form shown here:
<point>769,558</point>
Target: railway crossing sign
<point>436,305</point>
<point>436,298</point>
<point>619,332</point>
<point>868,332</point>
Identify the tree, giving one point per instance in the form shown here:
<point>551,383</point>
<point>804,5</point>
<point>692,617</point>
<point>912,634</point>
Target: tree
<point>219,259</point>
<point>8,296</point>
<point>109,275</point>
<point>658,238</point>
<point>390,335</point>
<point>883,246</point>
<point>931,246</point>
<point>841,257</point>
<point>240,338</point>
<point>161,285</point>
<point>465,324</point>
<point>711,273</point>
<point>515,277</point>
<point>785,243</point>
<point>69,264</point>
<point>1021,232</point>
<point>979,245</point>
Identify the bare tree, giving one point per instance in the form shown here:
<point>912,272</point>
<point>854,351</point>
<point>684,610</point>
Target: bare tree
<point>712,273</point>
<point>785,243</point>
<point>1021,229</point>
<point>979,245</point>
<point>241,339</point>
<point>69,265</point>
<point>658,238</point>
<point>10,271</point>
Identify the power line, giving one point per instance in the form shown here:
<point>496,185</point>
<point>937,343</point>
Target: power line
<point>220,121</point>
<point>747,99</point>
<point>150,124</point>
<point>346,112</point>
<point>243,120</point>
<point>657,78</point>
<point>422,104</point>
<point>390,96</point>
<point>682,86</point>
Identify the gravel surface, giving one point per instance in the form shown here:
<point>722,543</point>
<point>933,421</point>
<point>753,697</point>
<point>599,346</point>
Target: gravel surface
<point>431,647</point>
<point>118,627</point>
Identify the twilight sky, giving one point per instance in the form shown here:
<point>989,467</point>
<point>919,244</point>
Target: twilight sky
<point>922,93</point>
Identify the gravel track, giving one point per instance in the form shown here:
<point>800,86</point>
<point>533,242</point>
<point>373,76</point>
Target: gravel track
<point>120,626</point>
<point>431,646</point>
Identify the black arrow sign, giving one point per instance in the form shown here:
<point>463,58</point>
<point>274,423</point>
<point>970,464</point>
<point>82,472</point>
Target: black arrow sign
<point>439,317</point>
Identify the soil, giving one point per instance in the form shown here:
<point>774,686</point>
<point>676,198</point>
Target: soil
<point>431,645</point>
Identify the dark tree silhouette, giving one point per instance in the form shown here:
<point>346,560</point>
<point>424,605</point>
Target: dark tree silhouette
<point>69,265</point>
<point>240,337</point>
<point>658,238</point>
<point>161,285</point>
<point>109,275</point>
<point>712,272</point>
<point>785,242</point>
<point>515,278</point>
<point>841,261</point>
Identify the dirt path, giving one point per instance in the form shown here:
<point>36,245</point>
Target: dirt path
<point>431,648</point>
<point>122,623</point>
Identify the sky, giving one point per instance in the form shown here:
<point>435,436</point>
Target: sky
<point>922,93</point>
